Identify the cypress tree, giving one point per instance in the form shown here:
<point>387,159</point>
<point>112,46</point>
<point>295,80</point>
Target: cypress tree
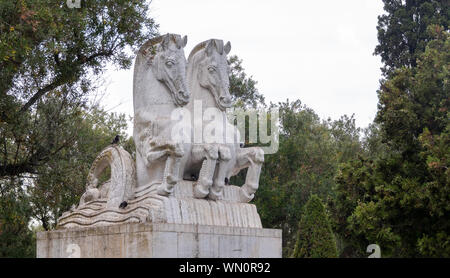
<point>315,238</point>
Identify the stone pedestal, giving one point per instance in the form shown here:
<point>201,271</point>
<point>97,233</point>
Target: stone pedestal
<point>160,240</point>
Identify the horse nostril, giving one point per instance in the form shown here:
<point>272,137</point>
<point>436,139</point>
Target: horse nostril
<point>183,93</point>
<point>225,99</point>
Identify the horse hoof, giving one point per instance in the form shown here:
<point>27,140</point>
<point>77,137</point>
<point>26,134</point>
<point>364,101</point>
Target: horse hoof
<point>245,197</point>
<point>200,192</point>
<point>165,189</point>
<point>213,195</point>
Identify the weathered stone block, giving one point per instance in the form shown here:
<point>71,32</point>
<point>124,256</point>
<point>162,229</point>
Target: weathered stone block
<point>160,240</point>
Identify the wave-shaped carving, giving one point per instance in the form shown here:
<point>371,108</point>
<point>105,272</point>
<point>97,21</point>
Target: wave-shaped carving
<point>137,210</point>
<point>123,177</point>
<point>179,208</point>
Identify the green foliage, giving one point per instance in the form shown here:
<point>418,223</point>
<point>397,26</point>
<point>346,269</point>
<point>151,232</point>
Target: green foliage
<point>51,53</point>
<point>306,162</point>
<point>61,181</point>
<point>51,59</point>
<point>399,198</point>
<point>52,45</point>
<point>16,239</point>
<point>352,187</point>
<point>315,238</point>
<point>242,88</point>
<point>402,32</point>
<point>391,187</point>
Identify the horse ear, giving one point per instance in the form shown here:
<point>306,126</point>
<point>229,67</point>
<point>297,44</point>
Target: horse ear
<point>210,47</point>
<point>227,48</point>
<point>181,42</point>
<point>166,41</point>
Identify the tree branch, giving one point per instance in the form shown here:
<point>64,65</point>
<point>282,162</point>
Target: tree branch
<point>16,169</point>
<point>63,78</point>
<point>42,92</point>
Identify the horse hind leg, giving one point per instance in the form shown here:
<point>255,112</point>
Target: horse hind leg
<point>253,158</point>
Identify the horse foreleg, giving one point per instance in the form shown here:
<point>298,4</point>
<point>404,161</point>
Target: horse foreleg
<point>171,171</point>
<point>253,158</point>
<point>205,179</point>
<point>170,175</point>
<point>224,166</point>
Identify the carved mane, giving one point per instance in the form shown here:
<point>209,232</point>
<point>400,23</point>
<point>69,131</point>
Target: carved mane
<point>148,50</point>
<point>152,42</point>
<point>202,45</point>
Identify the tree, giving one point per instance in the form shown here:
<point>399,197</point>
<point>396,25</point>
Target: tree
<point>402,32</point>
<point>61,182</point>
<point>401,196</point>
<point>243,88</point>
<point>16,239</point>
<point>355,183</point>
<point>51,51</point>
<point>315,238</point>
<point>51,58</point>
<point>306,163</point>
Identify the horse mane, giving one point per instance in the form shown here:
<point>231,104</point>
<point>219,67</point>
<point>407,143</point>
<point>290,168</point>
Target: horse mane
<point>193,59</point>
<point>202,45</point>
<point>175,38</point>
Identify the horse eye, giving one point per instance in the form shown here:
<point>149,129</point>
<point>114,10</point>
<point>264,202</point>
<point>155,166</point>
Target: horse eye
<point>211,69</point>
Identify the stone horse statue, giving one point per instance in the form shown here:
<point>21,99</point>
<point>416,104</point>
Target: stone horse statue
<point>159,87</point>
<point>139,191</point>
<point>215,162</point>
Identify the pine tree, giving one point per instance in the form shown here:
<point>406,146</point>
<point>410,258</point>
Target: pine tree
<point>315,238</point>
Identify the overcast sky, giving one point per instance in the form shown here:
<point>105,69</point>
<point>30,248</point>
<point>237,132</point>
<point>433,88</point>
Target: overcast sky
<point>317,51</point>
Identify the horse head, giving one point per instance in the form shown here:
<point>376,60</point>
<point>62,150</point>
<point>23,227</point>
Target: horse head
<point>213,70</point>
<point>165,55</point>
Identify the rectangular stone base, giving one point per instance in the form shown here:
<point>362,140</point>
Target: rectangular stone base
<point>159,240</point>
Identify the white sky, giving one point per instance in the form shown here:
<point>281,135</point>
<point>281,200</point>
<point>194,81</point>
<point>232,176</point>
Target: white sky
<point>317,51</point>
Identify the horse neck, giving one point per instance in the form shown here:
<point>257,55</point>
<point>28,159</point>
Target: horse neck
<point>203,95</point>
<point>198,93</point>
<point>148,91</point>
